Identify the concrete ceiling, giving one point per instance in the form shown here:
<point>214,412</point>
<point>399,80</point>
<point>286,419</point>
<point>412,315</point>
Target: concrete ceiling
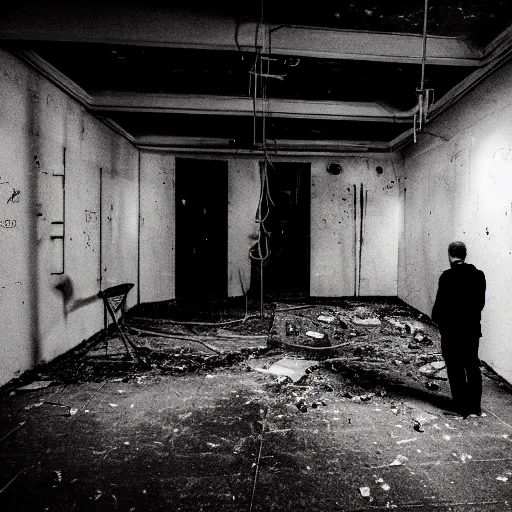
<point>338,76</point>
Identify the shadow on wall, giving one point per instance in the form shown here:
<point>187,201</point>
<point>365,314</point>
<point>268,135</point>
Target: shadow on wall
<point>69,303</point>
<point>35,216</point>
<point>46,171</point>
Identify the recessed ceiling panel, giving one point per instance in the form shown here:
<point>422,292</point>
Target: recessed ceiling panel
<point>97,67</point>
<point>242,128</point>
<point>478,20</point>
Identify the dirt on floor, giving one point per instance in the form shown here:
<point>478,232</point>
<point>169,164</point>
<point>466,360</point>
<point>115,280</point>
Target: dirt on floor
<point>316,405</point>
<point>369,346</point>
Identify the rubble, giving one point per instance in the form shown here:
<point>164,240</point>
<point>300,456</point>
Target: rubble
<point>368,322</point>
<point>38,384</point>
<point>316,335</point>
<point>365,491</point>
<point>328,319</point>
<point>395,323</point>
<point>295,369</point>
<point>434,370</point>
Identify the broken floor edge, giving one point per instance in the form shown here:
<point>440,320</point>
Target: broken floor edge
<point>31,374</point>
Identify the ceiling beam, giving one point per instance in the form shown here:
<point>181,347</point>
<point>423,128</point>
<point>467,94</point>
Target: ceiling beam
<point>243,106</point>
<point>272,148</point>
<point>163,27</point>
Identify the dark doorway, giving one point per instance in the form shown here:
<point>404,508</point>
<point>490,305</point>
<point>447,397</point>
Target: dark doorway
<point>287,270</point>
<point>201,229</point>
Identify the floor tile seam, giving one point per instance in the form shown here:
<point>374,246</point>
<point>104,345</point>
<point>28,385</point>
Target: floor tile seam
<point>498,418</point>
<point>441,463</point>
<point>420,505</point>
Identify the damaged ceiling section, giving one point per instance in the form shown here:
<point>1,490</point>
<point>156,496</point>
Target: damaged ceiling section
<point>264,76</point>
<point>296,397</point>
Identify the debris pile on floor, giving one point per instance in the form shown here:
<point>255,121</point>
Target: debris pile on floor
<point>373,340</point>
<point>366,342</point>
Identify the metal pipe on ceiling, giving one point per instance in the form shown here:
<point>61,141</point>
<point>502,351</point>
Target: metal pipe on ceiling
<point>424,56</point>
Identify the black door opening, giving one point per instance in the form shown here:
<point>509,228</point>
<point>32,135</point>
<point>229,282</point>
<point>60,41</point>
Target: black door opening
<point>201,229</point>
<point>287,269</point>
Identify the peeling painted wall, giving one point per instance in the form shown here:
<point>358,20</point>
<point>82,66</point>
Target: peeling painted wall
<point>354,250</point>
<point>458,186</point>
<point>51,152</point>
<point>157,226</point>
<point>120,217</point>
<point>355,227</point>
<point>243,195</point>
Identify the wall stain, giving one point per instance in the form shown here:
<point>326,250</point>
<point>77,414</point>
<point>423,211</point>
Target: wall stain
<point>355,238</point>
<point>362,207</point>
<point>15,196</point>
<point>503,154</point>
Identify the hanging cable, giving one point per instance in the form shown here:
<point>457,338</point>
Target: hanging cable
<point>424,95</point>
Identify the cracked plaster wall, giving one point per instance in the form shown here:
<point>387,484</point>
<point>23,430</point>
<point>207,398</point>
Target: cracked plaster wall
<point>43,136</point>
<point>458,186</point>
<point>157,226</point>
<point>354,227</point>
<point>360,201</point>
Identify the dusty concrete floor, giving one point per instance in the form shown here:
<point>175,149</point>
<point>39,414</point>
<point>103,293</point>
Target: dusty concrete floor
<point>360,431</point>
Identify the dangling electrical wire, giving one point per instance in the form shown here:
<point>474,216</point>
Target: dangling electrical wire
<point>261,251</point>
<point>424,95</point>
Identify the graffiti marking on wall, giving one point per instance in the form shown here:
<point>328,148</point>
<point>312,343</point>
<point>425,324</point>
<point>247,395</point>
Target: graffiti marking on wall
<point>91,216</point>
<point>7,223</point>
<point>503,154</point>
<point>15,196</point>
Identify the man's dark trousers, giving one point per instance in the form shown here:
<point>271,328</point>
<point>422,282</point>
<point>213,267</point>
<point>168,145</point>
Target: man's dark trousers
<point>460,352</point>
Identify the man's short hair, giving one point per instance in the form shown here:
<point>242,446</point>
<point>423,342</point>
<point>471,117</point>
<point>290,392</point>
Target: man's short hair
<point>457,250</point>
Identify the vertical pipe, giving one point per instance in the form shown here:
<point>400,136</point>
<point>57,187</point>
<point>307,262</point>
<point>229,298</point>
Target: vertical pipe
<point>361,220</point>
<point>138,229</point>
<point>64,210</point>
<point>355,240</point>
<point>261,288</point>
<point>263,171</point>
<point>105,319</point>
<point>424,57</point>
<point>101,228</point>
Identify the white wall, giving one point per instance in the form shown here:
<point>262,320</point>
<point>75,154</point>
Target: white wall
<point>358,201</point>
<point>340,263</point>
<point>157,226</point>
<point>243,196</point>
<point>458,186</point>
<point>44,135</point>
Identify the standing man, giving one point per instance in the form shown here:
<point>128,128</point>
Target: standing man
<point>457,310</point>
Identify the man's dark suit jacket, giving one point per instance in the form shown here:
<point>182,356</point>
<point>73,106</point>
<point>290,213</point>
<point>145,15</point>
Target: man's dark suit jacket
<point>459,301</point>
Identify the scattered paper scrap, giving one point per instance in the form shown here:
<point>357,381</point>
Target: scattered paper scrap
<point>399,461</point>
<point>434,370</point>
<point>368,322</point>
<point>31,406</point>
<point>502,478</point>
<point>365,491</point>
<point>38,384</point>
<point>327,319</point>
<point>295,369</point>
<point>316,335</point>
<point>465,457</point>
<point>395,323</point>
<point>424,417</point>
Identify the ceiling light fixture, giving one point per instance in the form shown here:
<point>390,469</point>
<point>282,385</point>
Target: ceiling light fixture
<point>334,169</point>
